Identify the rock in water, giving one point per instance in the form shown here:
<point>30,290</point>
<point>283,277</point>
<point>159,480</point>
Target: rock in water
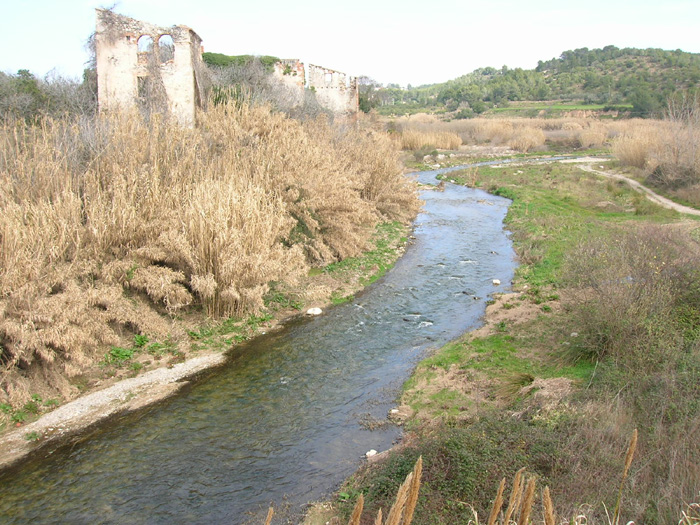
<point>496,282</point>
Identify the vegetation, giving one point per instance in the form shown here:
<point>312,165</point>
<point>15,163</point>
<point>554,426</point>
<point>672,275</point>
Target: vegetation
<point>221,60</point>
<point>613,345</point>
<point>116,226</point>
<point>635,81</point>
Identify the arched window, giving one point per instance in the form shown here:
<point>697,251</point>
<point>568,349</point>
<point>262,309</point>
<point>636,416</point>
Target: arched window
<point>145,44</point>
<point>166,48</point>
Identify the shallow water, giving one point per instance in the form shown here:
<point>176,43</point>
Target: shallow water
<point>282,422</point>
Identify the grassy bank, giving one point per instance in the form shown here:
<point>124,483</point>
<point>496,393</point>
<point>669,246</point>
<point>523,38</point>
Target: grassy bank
<point>121,237</point>
<point>601,337</point>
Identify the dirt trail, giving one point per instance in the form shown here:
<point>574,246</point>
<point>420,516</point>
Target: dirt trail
<point>651,195</point>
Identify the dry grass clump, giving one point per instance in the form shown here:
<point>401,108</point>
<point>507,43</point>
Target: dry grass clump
<point>592,136</point>
<point>525,139</point>
<point>637,143</point>
<point>107,224</point>
<point>669,150</point>
<point>413,140</point>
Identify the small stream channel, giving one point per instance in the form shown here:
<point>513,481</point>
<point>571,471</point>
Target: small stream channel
<point>282,422</point>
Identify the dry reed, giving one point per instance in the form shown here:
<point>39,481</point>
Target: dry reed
<point>413,140</point>
<point>96,209</point>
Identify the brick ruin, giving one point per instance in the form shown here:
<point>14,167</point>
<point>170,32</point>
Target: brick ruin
<point>158,69</point>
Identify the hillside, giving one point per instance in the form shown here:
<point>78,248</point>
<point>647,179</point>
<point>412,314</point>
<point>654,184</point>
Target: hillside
<point>636,79</point>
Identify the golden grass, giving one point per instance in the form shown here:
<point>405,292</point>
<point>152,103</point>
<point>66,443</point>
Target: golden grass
<point>413,140</point>
<point>107,224</point>
<point>521,134</point>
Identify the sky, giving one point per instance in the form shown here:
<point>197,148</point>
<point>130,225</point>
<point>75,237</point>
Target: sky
<point>392,41</point>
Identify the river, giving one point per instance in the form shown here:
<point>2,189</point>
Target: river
<point>287,418</point>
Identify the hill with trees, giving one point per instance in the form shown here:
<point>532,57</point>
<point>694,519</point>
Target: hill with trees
<point>639,80</point>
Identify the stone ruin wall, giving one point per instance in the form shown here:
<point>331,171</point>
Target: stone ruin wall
<point>132,74</point>
<point>168,72</point>
<point>290,73</point>
<point>334,90</point>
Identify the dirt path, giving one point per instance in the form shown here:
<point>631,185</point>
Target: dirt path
<point>651,195</point>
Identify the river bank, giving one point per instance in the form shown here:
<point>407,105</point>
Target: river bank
<point>119,390</point>
<point>560,373</point>
<point>291,415</point>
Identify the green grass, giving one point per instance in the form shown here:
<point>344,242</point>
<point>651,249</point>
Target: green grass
<point>374,263</point>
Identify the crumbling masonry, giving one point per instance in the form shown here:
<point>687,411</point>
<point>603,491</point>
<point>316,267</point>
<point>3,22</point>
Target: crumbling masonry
<point>334,90</point>
<point>160,70</point>
<point>154,68</point>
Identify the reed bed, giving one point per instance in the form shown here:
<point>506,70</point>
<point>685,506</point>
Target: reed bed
<point>108,225</point>
<point>520,134</point>
<point>414,140</point>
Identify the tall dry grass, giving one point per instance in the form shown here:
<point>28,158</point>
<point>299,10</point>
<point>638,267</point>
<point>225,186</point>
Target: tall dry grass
<point>520,134</point>
<point>108,224</point>
<point>414,139</point>
<point>668,151</point>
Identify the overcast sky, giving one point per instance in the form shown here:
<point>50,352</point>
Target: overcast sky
<point>400,41</point>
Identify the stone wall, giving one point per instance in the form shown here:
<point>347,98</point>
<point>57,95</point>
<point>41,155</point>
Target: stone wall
<point>290,73</point>
<point>157,69</point>
<point>334,90</point>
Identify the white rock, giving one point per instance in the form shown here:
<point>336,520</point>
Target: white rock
<point>371,453</point>
<point>496,282</point>
<point>574,334</point>
<point>394,411</point>
<point>314,311</point>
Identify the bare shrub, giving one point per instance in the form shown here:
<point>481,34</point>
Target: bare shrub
<point>636,304</point>
<point>626,282</point>
<point>594,135</point>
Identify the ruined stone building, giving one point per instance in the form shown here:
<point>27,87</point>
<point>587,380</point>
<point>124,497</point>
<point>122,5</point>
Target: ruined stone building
<point>158,69</point>
<point>334,90</point>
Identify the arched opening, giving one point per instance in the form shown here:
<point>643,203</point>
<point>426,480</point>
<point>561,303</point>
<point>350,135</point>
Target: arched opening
<point>145,44</point>
<point>166,48</point>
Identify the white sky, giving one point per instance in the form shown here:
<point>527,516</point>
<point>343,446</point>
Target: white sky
<point>401,41</point>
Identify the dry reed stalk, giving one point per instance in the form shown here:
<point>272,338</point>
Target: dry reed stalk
<point>378,520</point>
<point>357,511</point>
<point>628,462</point>
<point>270,513</point>
<point>549,514</point>
<point>515,494</point>
<point>413,491</point>
<point>397,509</point>
<point>529,499</point>
<point>497,503</point>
